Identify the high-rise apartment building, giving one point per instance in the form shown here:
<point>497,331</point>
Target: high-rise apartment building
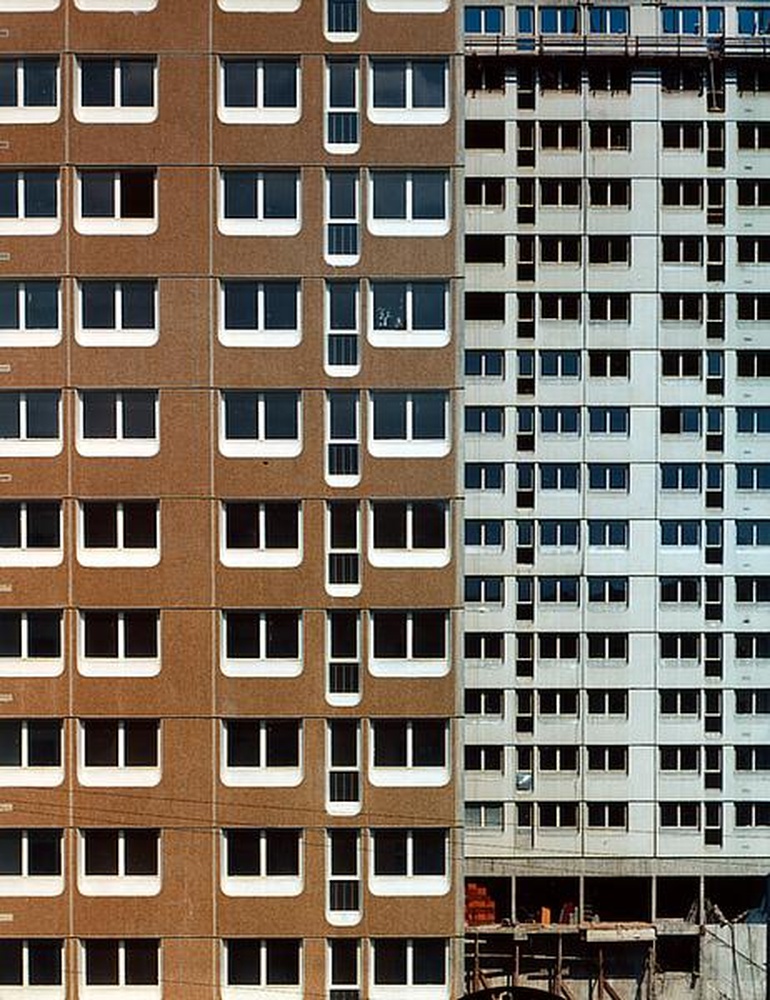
<point>617,470</point>
<point>228,563</point>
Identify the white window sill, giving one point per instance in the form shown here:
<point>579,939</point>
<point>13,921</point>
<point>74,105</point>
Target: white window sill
<point>107,557</point>
<point>261,992</point>
<point>258,116</point>
<point>31,557</point>
<point>260,338</point>
<point>31,885</point>
<point>403,885</point>
<point>259,227</point>
<point>98,226</point>
<point>409,777</point>
<point>116,667</point>
<point>408,116</point>
<point>393,448</point>
<point>115,338</point>
<point>117,992</point>
<point>31,667</point>
<point>409,558</point>
<point>255,448</point>
<point>260,777</point>
<point>41,448</point>
<point>119,885</point>
<point>408,7</point>
<point>265,6</point>
<point>28,116</point>
<point>38,992</point>
<point>413,992</point>
<point>29,227</point>
<point>31,777</point>
<point>408,668</point>
<point>271,885</point>
<point>115,116</point>
<point>30,338</point>
<point>114,448</point>
<point>126,777</point>
<point>117,5</point>
<point>408,227</point>
<point>343,918</point>
<point>261,558</point>
<point>261,668</point>
<point>408,338</point>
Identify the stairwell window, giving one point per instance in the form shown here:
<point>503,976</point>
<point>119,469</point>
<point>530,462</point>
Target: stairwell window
<point>29,88</point>
<point>259,91</point>
<point>259,203</point>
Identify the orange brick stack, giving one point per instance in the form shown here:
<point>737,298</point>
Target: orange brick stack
<point>479,906</point>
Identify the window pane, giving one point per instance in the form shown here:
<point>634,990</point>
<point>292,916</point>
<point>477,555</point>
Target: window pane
<point>100,526</point>
<point>140,525</point>
<point>390,852</point>
<point>44,963</point>
<point>389,415</point>
<point>429,415</point>
<point>101,963</point>
<point>101,633</point>
<point>280,305</point>
<point>283,634</point>
<point>282,743</point>
<point>139,414</point>
<point>281,526</point>
<point>44,848</point>
<point>9,305</point>
<point>242,629</point>
<point>428,84</point>
<point>389,526</point>
<point>280,84</point>
<point>101,852</point>
<point>242,852</point>
<point>43,741</point>
<point>389,195</point>
<point>40,82</point>
<point>137,194</point>
<point>9,203</point>
<point>428,196</point>
<point>390,962</point>
<point>240,83</point>
<point>40,194</point>
<point>141,743</point>
<point>98,194</point>
<point>136,83</point>
<point>98,298</point>
<point>429,961</point>
<point>429,525</point>
<point>42,414</point>
<point>390,306</point>
<point>429,741</point>
<point>138,305</point>
<point>7,83</point>
<point>10,962</point>
<point>141,962</point>
<point>10,525</point>
<point>44,633</point>
<point>243,963</point>
<point>428,306</point>
<point>240,416</point>
<point>240,305</point>
<point>242,744</point>
<point>10,852</point>
<point>240,194</point>
<point>99,414</point>
<point>42,525</point>
<point>281,415</point>
<point>389,634</point>
<point>280,195</point>
<point>389,84</point>
<point>9,415</point>
<point>241,526</point>
<point>141,628</point>
<point>97,83</point>
<point>10,734</point>
<point>101,744</point>
<point>282,852</point>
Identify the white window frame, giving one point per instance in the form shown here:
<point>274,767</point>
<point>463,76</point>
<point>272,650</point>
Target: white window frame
<point>32,336</point>
<point>26,775</point>
<point>408,6</point>
<point>408,883</point>
<point>293,991</point>
<point>258,225</point>
<point>262,335</point>
<point>25,884</point>
<point>20,991</point>
<point>409,226</point>
<point>26,556</point>
<point>35,114</point>
<point>261,557</point>
<point>118,335</point>
<point>410,665</point>
<point>410,557</point>
<point>120,555</point>
<point>27,666</point>
<point>407,114</point>
<point>260,446</point>
<point>118,446</point>
<point>408,336</point>
<point>102,992</point>
<point>114,113</point>
<point>113,225</point>
<point>488,813</point>
<point>259,114</point>
<point>259,6</point>
<point>32,447</point>
<point>396,991</point>
<point>263,665</point>
<point>120,775</point>
<point>410,775</point>
<point>409,446</point>
<point>119,884</point>
<point>264,775</point>
<point>120,665</point>
<point>263,884</point>
<point>20,225</point>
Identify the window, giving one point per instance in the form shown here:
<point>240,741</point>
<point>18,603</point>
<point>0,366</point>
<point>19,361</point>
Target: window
<point>687,308</point>
<point>752,758</point>
<point>608,589</point>
<point>613,136</point>
<point>484,702</point>
<point>679,645</point>
<point>262,862</point>
<point>558,645</point>
<point>753,193</point>
<point>408,424</point>
<point>259,91</point>
<point>30,533</point>
<point>408,92</point>
<point>560,307</point>
<point>608,646</point>
<point>753,249</point>
<point>679,590</point>
<point>609,193</point>
<point>409,643</point>
<point>752,589</point>
<point>752,813</point>
<point>260,424</point>
<point>36,962</point>
<point>31,862</point>
<point>682,193</point>
<point>680,702</point>
<point>133,962</point>
<point>562,78</point>
<point>753,21</point>
<point>680,533</point>
<point>609,21</point>
<point>261,643</point>
<point>555,701</point>
<point>29,90</point>
<point>30,753</point>
<point>754,308</point>
<point>485,364</point>
<point>612,307</point>
<point>681,364</point>
<point>261,534</point>
<point>259,203</point>
<point>409,862</point>
<point>275,962</point>
<point>610,702</point>
<point>409,203</point>
<point>259,313</point>
<point>558,758</point>
<point>483,20</point>
<point>752,477</point>
<point>409,753</point>
<point>752,646</point>
<point>682,249</point>
<point>119,643</point>
<point>119,862</point>
<point>682,136</point>
<point>678,477</point>
<point>118,533</point>
<point>485,192</point>
<point>484,589</point>
<point>29,202</point>
<point>559,590</point>
<point>261,752</point>
<point>116,202</point>
<point>409,313</point>
<point>560,249</point>
<point>680,815</point>
<point>117,313</point>
<point>609,250</point>
<point>561,420</point>
<point>484,646</point>
<point>409,533</point>
<point>680,420</point>
<point>116,90</point>
<point>607,758</point>
<point>484,816</point>
<point>119,752</point>
<point>753,419</point>
<point>560,477</point>
<point>752,533</point>
<point>608,477</point>
<point>686,80</point>
<point>479,757</point>
<point>607,815</point>
<point>559,534</point>
<point>553,815</point>
<point>558,20</point>
<point>118,423</point>
<point>29,313</point>
<point>30,423</point>
<point>611,79</point>
<point>30,643</point>
<point>609,420</point>
<point>410,962</point>
<point>560,193</point>
<point>680,758</point>
<point>753,364</point>
<point>484,420</point>
<point>608,534</point>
